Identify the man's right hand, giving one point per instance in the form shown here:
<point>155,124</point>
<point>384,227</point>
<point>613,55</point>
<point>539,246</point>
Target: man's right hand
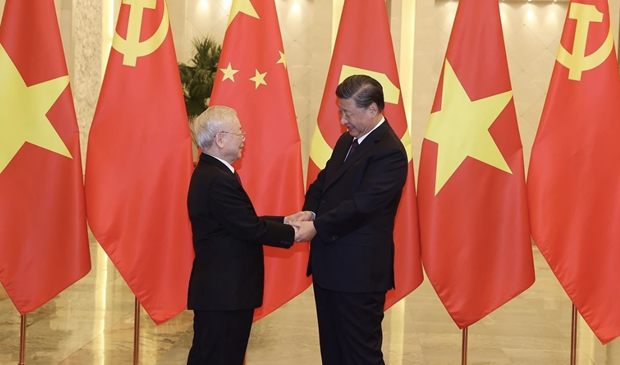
<point>299,216</point>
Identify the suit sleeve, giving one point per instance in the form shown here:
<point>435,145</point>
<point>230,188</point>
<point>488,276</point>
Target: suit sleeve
<point>235,212</point>
<point>383,181</point>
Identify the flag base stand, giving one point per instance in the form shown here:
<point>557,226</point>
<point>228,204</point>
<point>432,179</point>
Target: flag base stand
<point>464,347</point>
<point>22,341</point>
<point>136,334</point>
<point>573,338</point>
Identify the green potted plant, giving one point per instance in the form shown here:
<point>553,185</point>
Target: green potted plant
<point>198,75</point>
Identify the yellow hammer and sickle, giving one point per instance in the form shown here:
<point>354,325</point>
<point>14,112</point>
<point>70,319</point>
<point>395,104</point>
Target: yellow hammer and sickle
<point>577,62</point>
<point>320,151</point>
<point>131,47</point>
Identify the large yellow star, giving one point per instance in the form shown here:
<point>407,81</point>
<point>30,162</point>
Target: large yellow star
<point>23,112</point>
<point>282,59</point>
<point>242,6</point>
<point>229,73</point>
<point>259,79</point>
<point>461,128</point>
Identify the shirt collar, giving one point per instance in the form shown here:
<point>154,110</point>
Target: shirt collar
<point>232,169</point>
<point>362,138</point>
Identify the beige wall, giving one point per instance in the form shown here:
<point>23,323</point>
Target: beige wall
<point>420,30</point>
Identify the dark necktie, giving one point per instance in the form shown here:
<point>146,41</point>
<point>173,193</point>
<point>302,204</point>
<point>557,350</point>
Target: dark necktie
<point>354,145</point>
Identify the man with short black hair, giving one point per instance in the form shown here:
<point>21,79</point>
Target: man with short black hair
<point>349,214</point>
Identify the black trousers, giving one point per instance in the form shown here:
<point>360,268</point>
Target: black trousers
<point>350,327</point>
<point>220,337</point>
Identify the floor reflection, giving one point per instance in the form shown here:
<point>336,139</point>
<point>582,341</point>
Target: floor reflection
<point>92,323</point>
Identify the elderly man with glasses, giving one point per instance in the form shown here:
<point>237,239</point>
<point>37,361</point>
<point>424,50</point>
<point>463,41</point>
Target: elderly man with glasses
<point>226,283</point>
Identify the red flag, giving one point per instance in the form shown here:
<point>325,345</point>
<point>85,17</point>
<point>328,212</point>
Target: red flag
<point>574,175</point>
<point>139,163</point>
<point>43,239</point>
<point>476,245</point>
<point>352,56</point>
<point>253,79</point>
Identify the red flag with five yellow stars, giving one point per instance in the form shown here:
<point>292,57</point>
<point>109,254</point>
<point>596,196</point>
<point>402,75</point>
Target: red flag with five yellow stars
<point>139,162</point>
<point>476,245</point>
<point>43,239</point>
<point>252,78</point>
<point>574,176</point>
<point>352,56</point>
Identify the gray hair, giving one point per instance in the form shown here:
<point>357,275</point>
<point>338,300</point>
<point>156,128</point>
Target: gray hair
<point>211,122</point>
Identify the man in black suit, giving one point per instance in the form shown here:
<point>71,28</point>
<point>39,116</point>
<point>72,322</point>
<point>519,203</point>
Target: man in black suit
<point>226,283</point>
<point>349,211</point>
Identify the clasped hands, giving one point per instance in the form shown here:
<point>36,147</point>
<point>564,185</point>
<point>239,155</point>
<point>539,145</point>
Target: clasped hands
<point>303,224</point>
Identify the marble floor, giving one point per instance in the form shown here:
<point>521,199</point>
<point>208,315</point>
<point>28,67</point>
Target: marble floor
<point>91,323</point>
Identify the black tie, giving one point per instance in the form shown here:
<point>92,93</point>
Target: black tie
<point>354,145</point>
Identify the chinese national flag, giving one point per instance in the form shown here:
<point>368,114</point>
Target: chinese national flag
<point>476,245</point>
<point>139,163</point>
<point>574,175</point>
<point>253,79</point>
<point>351,56</point>
<point>43,239</point>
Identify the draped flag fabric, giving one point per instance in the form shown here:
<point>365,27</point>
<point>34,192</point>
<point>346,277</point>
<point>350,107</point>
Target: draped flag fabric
<point>252,78</point>
<point>574,175</point>
<point>352,56</point>
<point>139,162</point>
<point>43,238</point>
<point>476,246</point>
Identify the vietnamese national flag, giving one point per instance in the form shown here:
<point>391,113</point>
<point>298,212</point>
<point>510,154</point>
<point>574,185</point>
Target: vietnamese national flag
<point>139,163</point>
<point>43,238</point>
<point>574,175</point>
<point>476,246</point>
<point>252,79</point>
<point>352,56</point>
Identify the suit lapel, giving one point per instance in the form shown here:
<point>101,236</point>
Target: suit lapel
<point>340,150</point>
<point>361,150</point>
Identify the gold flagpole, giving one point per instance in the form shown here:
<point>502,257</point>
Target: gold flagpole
<point>22,341</point>
<point>464,347</point>
<point>136,334</point>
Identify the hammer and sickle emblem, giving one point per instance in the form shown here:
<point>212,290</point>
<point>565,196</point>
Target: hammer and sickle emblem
<point>131,47</point>
<point>577,62</point>
<point>320,151</point>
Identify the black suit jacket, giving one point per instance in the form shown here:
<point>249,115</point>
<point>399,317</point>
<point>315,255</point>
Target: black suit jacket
<point>228,270</point>
<point>355,204</point>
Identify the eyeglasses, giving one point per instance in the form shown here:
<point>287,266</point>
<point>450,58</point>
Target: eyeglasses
<point>240,135</point>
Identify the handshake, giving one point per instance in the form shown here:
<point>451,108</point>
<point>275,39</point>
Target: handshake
<point>303,224</point>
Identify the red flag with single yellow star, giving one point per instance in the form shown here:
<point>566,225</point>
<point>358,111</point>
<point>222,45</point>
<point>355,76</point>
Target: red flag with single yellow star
<point>574,175</point>
<point>139,162</point>
<point>476,245</point>
<point>351,56</point>
<point>253,79</point>
<point>43,239</point>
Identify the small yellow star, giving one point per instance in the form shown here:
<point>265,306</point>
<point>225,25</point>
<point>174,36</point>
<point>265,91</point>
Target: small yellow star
<point>242,6</point>
<point>282,59</point>
<point>229,73</point>
<point>259,79</point>
<point>23,112</point>
<point>461,128</point>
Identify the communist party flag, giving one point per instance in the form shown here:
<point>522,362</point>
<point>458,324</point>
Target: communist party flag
<point>352,57</point>
<point>574,175</point>
<point>43,238</point>
<point>474,223</point>
<point>139,162</point>
<point>253,79</point>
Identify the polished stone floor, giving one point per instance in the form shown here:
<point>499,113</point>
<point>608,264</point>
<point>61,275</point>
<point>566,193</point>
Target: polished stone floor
<point>92,323</point>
